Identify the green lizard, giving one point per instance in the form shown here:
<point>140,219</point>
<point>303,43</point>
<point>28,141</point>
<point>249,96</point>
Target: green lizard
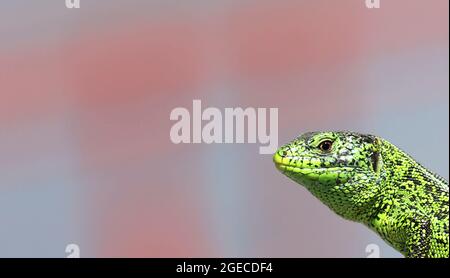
<point>366,179</point>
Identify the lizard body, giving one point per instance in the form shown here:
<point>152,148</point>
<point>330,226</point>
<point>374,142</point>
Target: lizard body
<point>366,179</point>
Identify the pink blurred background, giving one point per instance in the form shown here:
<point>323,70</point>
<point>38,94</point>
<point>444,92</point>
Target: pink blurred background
<point>86,94</point>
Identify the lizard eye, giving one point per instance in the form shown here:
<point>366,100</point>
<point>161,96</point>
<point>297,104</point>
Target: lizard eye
<point>326,145</point>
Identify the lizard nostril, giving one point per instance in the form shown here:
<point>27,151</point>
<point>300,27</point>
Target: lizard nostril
<point>278,157</point>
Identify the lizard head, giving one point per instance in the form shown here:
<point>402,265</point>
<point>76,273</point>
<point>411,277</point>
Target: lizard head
<point>328,164</point>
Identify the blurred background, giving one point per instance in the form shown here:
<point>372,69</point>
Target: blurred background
<point>86,94</point>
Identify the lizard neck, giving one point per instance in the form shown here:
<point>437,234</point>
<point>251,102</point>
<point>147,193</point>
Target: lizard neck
<point>407,187</point>
<point>405,176</point>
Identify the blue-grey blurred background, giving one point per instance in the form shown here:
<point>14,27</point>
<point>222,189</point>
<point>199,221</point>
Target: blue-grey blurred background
<point>85,98</point>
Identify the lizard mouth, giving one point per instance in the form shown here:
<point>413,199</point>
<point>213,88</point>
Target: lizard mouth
<point>303,170</point>
<point>287,166</point>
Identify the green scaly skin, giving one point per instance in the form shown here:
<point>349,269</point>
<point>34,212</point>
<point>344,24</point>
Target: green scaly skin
<point>366,179</point>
